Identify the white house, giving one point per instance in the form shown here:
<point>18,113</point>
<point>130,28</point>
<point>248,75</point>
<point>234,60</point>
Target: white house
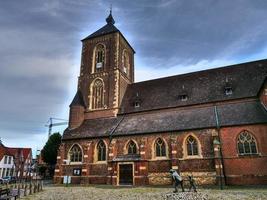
<point>7,166</point>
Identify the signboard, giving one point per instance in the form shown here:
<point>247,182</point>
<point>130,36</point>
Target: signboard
<point>66,179</point>
<point>77,172</point>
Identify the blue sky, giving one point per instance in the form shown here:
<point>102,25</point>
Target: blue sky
<point>40,49</point>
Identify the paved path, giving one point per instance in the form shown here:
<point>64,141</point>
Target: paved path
<point>145,193</point>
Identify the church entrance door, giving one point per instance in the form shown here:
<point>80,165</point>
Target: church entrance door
<point>126,174</point>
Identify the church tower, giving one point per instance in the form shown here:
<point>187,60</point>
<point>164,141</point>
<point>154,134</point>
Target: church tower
<point>107,67</point>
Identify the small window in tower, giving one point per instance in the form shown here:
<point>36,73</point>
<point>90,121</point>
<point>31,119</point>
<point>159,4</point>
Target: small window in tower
<point>183,97</point>
<point>228,90</point>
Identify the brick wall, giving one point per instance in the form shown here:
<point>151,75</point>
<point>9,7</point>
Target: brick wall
<point>149,170</point>
<point>244,169</point>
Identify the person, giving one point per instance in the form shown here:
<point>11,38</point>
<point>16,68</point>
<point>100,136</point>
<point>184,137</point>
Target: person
<point>192,184</point>
<point>177,180</point>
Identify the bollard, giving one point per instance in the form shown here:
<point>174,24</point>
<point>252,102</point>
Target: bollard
<point>30,190</point>
<point>25,190</point>
<point>18,190</point>
<point>41,185</point>
<point>38,186</point>
<point>34,188</point>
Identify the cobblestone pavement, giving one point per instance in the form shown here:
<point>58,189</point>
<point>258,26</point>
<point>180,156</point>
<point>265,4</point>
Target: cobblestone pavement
<point>145,193</point>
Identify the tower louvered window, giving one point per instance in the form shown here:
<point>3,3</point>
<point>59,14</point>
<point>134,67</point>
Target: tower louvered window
<point>126,62</point>
<point>98,94</point>
<point>99,57</point>
<point>160,148</point>
<point>246,144</point>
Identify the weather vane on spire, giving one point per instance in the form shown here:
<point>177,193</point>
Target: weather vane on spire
<point>110,9</point>
<point>110,19</point>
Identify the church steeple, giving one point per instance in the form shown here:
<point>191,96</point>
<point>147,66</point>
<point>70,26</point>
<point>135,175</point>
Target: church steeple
<point>110,19</point>
<point>107,68</point>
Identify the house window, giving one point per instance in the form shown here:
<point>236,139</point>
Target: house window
<point>246,144</point>
<point>132,147</point>
<point>5,161</point>
<point>101,151</point>
<point>75,154</point>
<point>99,57</point>
<point>9,160</point>
<point>98,94</point>
<point>192,146</point>
<point>160,148</point>
<point>228,90</point>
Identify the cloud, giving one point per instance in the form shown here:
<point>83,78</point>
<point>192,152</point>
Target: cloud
<point>40,48</point>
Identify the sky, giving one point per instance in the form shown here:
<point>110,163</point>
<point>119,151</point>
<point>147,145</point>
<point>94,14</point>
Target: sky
<point>40,49</point>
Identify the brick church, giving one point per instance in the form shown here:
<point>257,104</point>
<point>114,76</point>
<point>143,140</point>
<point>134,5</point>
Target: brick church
<point>211,124</point>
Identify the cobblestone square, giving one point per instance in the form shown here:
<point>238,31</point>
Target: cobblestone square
<point>145,193</point>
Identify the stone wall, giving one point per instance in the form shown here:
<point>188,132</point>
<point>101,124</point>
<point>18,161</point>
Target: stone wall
<point>159,178</point>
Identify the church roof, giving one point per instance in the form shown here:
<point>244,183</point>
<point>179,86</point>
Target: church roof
<point>4,151</point>
<point>171,120</point>
<point>245,80</point>
<point>162,110</point>
<point>78,99</point>
<point>107,29</point>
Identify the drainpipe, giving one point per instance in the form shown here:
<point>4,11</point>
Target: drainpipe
<point>221,155</point>
<point>110,139</point>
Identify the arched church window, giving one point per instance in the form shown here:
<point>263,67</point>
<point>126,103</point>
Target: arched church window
<point>126,62</point>
<point>75,154</point>
<point>132,147</point>
<point>98,94</point>
<point>192,146</point>
<point>101,151</point>
<point>99,57</point>
<point>160,148</point>
<point>246,143</point>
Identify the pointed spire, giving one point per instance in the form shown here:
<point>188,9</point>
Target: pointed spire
<point>110,19</point>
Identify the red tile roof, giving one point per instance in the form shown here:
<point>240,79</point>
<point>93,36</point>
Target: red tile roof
<point>4,151</point>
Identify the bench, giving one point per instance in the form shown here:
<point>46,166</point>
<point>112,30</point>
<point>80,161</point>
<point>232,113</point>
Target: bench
<point>5,194</point>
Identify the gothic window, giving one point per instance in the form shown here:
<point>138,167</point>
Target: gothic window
<point>75,154</point>
<point>192,146</point>
<point>97,94</point>
<point>246,144</point>
<point>99,57</point>
<point>160,148</point>
<point>101,151</point>
<point>126,62</point>
<point>132,147</point>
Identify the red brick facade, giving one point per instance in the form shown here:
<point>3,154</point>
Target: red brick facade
<point>204,145</point>
<point>246,169</point>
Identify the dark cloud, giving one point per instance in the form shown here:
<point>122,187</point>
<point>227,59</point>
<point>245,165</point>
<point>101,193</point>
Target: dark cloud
<point>40,48</point>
